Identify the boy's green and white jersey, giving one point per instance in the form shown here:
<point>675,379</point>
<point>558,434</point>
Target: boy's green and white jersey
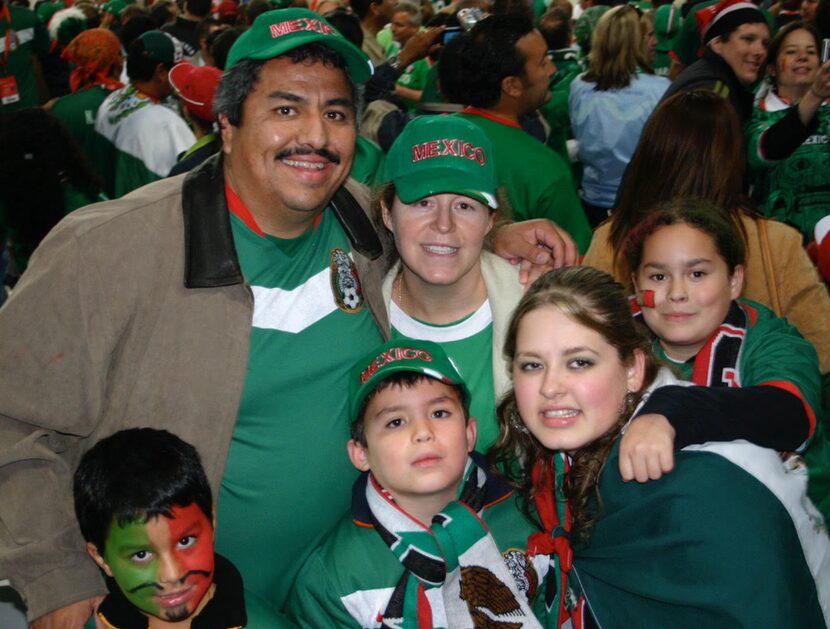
<point>350,579</point>
<point>309,324</point>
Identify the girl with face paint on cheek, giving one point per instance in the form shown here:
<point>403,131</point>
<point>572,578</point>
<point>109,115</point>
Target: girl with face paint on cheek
<point>620,552</point>
<point>687,263</point>
<point>164,566</point>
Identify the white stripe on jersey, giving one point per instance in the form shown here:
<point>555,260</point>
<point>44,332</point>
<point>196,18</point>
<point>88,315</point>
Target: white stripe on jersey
<point>294,310</point>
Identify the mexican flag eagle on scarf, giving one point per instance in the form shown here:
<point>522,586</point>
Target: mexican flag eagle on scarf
<point>455,574</point>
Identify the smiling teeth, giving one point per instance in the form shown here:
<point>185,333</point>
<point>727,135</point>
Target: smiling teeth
<point>312,165</point>
<point>561,413</point>
<point>440,249</point>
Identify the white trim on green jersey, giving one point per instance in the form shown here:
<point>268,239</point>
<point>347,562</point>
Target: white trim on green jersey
<point>150,132</point>
<point>23,36</point>
<point>414,329</point>
<point>294,310</point>
<point>362,605</point>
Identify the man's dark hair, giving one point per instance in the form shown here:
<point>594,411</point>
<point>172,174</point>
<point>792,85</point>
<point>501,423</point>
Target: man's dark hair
<point>361,7</point>
<point>240,80</point>
<point>221,44</point>
<point>199,8</point>
<point>140,65</point>
<point>134,29</point>
<point>348,25</point>
<point>404,380</point>
<point>162,12</point>
<point>472,66</point>
<point>555,26</point>
<point>134,475</point>
<point>254,9</point>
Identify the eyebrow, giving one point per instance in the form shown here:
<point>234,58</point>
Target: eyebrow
<point>692,262</point>
<point>394,408</point>
<point>296,98</point>
<point>579,349</point>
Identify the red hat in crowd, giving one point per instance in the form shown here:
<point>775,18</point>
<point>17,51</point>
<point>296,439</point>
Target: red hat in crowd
<point>227,11</point>
<point>196,86</point>
<point>822,244</point>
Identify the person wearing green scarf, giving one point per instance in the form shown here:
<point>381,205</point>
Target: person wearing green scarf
<point>725,537</point>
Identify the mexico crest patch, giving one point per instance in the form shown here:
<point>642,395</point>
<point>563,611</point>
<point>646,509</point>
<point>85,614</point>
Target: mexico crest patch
<point>523,571</point>
<point>345,284</point>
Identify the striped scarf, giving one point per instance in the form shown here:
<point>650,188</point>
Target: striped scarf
<point>454,574</point>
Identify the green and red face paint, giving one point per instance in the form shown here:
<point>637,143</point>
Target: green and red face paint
<point>164,566</point>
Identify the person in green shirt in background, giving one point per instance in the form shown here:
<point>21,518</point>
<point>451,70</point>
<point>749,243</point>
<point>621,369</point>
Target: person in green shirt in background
<point>406,21</point>
<point>666,29</point>
<point>96,57</point>
<point>501,70</point>
<point>23,42</point>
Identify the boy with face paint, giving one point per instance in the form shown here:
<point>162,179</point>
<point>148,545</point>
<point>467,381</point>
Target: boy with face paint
<point>145,508</point>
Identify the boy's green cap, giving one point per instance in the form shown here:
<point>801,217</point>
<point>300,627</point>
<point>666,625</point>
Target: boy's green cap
<point>423,357</point>
<point>442,154</point>
<point>276,32</point>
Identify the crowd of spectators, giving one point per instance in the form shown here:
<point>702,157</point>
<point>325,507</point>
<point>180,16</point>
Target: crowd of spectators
<point>596,113</point>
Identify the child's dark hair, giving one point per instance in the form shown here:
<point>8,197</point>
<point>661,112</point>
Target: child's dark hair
<point>133,475</point>
<point>694,213</point>
<point>403,379</point>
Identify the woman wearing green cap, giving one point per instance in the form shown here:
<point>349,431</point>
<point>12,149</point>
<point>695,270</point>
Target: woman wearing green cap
<point>438,207</point>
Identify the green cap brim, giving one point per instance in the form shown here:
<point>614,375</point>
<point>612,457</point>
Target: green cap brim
<point>439,181</point>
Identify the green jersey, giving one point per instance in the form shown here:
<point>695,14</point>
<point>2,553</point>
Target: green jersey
<point>414,75</point>
<point>348,582</point>
<point>367,167</point>
<point>794,190</point>
<point>77,112</point>
<point>431,92</point>
<point>772,353</point>
<point>469,343</point>
<point>22,35</point>
<point>146,137</point>
<point>309,327</point>
<point>536,180</point>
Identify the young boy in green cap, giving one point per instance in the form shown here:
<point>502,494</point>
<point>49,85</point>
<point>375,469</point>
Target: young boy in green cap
<point>432,539</point>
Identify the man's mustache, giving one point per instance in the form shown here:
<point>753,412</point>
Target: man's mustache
<point>322,152</point>
<point>158,586</point>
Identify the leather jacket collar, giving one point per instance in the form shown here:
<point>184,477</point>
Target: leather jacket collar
<point>210,255</point>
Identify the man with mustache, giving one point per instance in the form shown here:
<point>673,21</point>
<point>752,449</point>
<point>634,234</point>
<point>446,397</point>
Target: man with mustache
<point>228,304</point>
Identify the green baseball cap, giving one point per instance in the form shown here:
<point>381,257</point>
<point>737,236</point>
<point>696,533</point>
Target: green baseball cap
<point>276,32</point>
<point>442,154</point>
<point>159,47</point>
<point>114,6</point>
<point>423,357</point>
<point>666,26</point>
